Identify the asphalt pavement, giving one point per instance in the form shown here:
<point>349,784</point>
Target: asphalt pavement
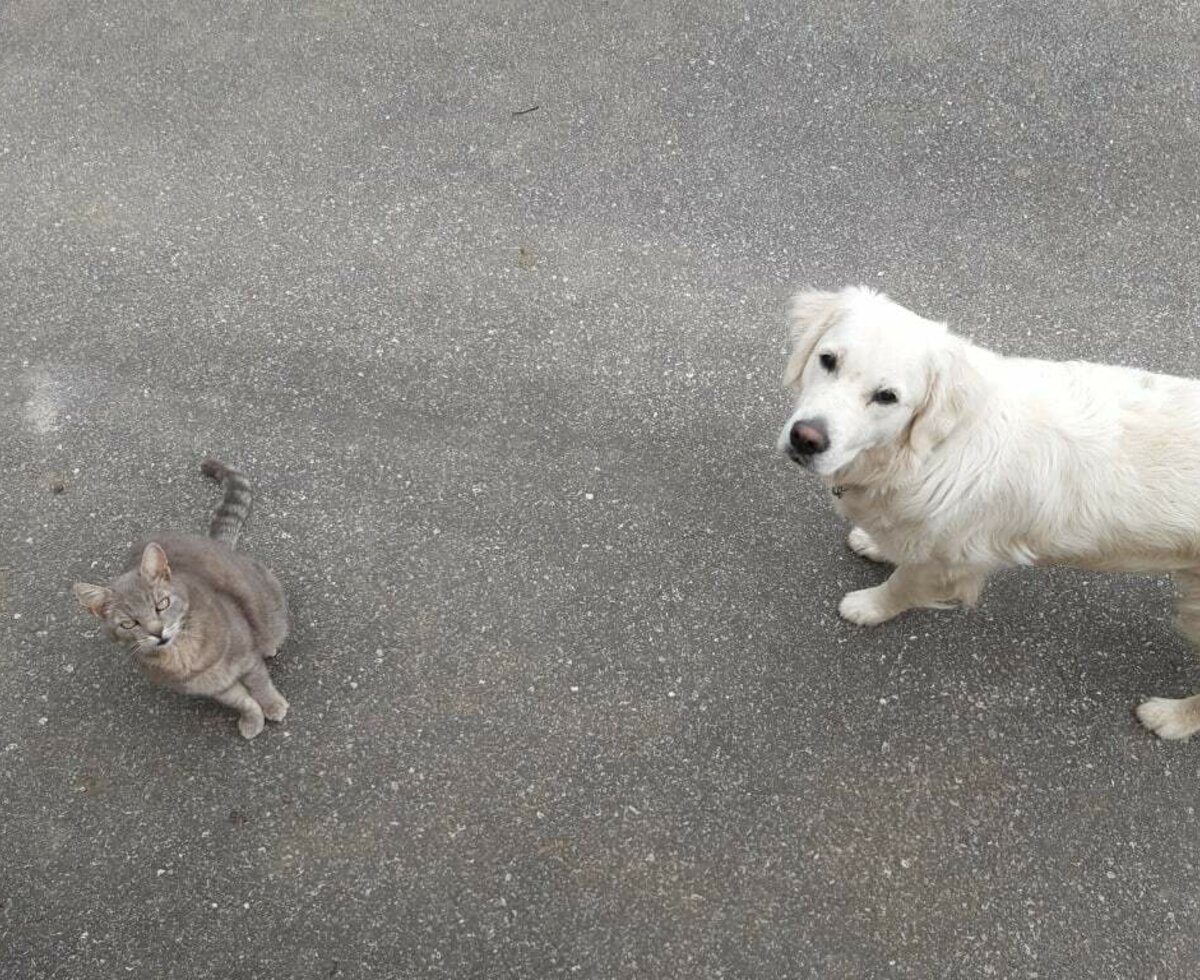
<point>487,300</point>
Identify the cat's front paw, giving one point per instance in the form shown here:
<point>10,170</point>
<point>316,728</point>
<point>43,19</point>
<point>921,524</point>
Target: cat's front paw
<point>276,710</point>
<point>250,725</point>
<point>866,607</point>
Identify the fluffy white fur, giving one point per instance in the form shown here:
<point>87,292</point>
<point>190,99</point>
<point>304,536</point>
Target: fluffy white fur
<point>985,461</point>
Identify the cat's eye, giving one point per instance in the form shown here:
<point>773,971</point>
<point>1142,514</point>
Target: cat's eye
<point>829,361</point>
<point>128,624</point>
<point>885,396</point>
<point>162,603</point>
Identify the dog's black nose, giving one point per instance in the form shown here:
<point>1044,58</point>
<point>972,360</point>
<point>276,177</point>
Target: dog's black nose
<point>809,437</point>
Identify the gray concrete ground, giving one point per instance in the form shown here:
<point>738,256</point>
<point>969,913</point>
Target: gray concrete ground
<point>569,693</point>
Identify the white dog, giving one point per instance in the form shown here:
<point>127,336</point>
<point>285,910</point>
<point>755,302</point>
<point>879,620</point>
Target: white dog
<point>952,461</point>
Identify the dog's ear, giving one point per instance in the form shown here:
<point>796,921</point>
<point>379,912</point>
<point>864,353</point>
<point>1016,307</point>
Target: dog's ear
<point>810,315</point>
<point>953,389</point>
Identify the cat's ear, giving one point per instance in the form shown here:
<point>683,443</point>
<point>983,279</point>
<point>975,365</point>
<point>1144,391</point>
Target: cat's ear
<point>93,598</point>
<point>154,564</point>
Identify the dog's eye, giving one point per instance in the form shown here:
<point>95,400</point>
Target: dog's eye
<point>828,362</point>
<point>885,396</point>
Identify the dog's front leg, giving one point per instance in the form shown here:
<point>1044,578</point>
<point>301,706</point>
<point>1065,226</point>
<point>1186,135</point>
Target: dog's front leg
<point>861,543</point>
<point>912,586</point>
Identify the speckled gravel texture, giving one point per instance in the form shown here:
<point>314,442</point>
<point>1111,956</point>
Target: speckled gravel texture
<point>569,693</point>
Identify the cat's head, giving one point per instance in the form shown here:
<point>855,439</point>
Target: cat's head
<point>143,609</point>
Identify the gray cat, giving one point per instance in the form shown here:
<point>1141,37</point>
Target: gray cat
<point>198,617</point>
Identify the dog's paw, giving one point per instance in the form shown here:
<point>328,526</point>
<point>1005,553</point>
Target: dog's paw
<point>866,607</point>
<point>1171,717</point>
<point>861,543</point>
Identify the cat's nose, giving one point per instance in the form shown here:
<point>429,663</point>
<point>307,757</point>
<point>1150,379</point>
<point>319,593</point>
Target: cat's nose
<point>163,641</point>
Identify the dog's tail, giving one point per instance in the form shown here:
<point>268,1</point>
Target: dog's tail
<point>234,507</point>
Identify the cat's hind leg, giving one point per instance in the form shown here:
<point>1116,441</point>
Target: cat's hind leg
<point>236,696</point>
<point>258,681</point>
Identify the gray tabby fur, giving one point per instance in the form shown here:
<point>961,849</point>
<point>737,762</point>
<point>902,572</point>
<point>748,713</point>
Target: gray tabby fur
<point>198,617</point>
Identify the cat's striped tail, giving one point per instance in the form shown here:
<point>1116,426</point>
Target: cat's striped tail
<point>234,508</point>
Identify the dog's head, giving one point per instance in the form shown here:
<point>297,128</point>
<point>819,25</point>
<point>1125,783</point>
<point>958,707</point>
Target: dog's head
<point>868,375</point>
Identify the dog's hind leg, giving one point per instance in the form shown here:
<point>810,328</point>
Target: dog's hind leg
<point>861,543</point>
<point>1171,717</point>
<point>914,586</point>
<point>1178,717</point>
